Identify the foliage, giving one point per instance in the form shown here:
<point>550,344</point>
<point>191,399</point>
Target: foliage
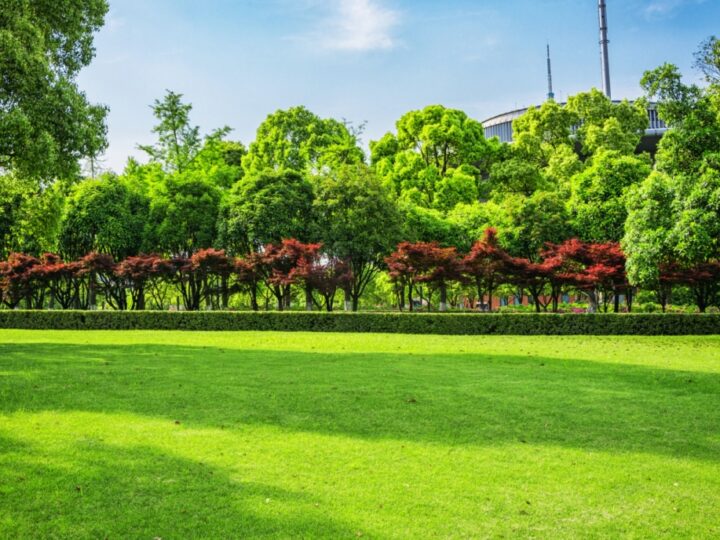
<point>298,140</point>
<point>183,215</point>
<point>46,122</point>
<point>356,223</point>
<point>603,124</point>
<point>103,215</point>
<point>29,215</point>
<point>265,208</point>
<point>487,265</point>
<point>522,324</point>
<point>707,59</point>
<point>597,198</point>
<point>437,158</point>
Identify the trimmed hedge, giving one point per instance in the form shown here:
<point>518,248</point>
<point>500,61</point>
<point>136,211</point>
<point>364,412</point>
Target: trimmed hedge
<point>405,323</point>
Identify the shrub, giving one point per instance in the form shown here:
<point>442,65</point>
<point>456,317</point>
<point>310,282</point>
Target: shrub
<point>416,323</point>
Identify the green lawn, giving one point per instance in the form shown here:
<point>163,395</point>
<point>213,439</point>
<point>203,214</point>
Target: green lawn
<point>233,435</point>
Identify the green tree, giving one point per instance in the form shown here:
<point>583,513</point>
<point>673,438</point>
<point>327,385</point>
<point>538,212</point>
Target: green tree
<point>178,141</point>
<point>597,199</point>
<point>470,221</point>
<point>220,161</point>
<point>603,124</point>
<point>544,128</point>
<point>692,115</point>
<point>438,158</point>
<point>47,125</point>
<point>525,224</point>
<point>183,215</point>
<point>357,222</point>
<point>266,208</point>
<point>421,224</point>
<point>103,215</point>
<point>651,208</point>
<point>298,140</point>
<point>29,215</point>
<point>696,232</point>
<point>707,59</point>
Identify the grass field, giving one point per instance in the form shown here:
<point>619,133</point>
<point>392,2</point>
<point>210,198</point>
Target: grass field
<point>234,435</point>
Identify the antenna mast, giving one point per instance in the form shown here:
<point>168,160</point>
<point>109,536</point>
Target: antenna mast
<point>550,94</point>
<point>604,58</point>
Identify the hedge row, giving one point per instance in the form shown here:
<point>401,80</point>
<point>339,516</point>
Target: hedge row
<point>406,323</point>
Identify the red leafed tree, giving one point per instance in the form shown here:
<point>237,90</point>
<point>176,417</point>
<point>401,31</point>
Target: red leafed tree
<point>487,265</point>
<point>404,266</point>
<point>249,272</point>
<point>187,281</point>
<point>597,270</point>
<point>99,269</point>
<point>17,282</point>
<point>442,267</point>
<point>324,275</point>
<point>213,267</point>
<point>424,262</point>
<point>143,272</point>
<point>703,280</point>
<point>279,260</point>
<point>532,277</point>
<point>60,278</point>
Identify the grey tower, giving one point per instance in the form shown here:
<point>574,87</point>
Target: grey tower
<point>604,59</point>
<point>551,94</point>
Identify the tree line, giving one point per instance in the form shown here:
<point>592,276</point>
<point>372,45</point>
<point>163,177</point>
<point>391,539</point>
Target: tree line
<point>434,185</point>
<point>209,277</point>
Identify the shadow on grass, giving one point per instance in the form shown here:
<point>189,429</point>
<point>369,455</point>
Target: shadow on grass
<point>450,399</point>
<point>138,492</point>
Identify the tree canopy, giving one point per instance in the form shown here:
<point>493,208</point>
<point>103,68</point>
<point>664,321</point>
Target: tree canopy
<point>47,124</point>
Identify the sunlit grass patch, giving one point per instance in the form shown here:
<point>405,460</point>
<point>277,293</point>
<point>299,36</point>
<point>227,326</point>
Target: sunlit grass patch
<point>171,434</point>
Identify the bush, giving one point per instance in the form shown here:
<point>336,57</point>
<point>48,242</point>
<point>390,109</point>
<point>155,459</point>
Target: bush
<point>407,323</point>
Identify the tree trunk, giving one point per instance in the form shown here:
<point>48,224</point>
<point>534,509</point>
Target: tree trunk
<point>592,302</point>
<point>91,291</point>
<point>225,299</point>
<point>308,299</point>
<point>443,297</point>
<point>253,298</point>
<point>287,297</point>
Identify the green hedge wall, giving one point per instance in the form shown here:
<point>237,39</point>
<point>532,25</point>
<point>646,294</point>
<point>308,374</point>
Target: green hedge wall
<point>406,323</point>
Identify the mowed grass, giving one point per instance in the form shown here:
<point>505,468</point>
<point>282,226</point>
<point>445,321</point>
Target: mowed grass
<point>238,435</point>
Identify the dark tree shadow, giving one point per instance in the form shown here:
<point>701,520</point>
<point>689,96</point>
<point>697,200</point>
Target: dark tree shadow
<point>456,399</point>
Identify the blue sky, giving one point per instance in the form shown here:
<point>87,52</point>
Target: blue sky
<point>370,61</point>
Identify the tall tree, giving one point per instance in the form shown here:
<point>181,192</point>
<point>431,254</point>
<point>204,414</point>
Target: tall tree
<point>357,222</point>
<point>266,208</point>
<point>647,243</point>
<point>47,125</point>
<point>604,124</point>
<point>707,59</point>
<point>103,215</point>
<point>178,141</point>
<point>597,197</point>
<point>438,157</point>
<point>298,140</point>
<point>183,215</point>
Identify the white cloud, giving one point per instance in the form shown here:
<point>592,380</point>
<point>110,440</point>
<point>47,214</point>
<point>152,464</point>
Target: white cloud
<point>664,8</point>
<point>358,25</point>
